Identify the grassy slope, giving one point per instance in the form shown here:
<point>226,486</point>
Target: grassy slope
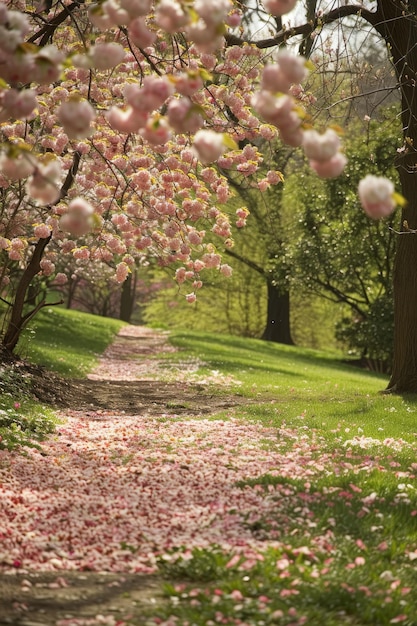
<point>328,393</point>
<point>360,507</point>
<point>66,342</point>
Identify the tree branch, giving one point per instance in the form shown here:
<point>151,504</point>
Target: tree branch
<point>306,29</point>
<point>247,262</point>
<point>46,32</point>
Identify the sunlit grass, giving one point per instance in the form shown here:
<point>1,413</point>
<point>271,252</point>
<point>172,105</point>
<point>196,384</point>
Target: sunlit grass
<point>67,342</point>
<point>347,534</point>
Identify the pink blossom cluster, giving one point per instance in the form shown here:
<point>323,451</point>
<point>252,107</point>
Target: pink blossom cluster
<point>17,104</point>
<point>76,115</point>
<point>277,105</point>
<point>171,16</point>
<point>376,195</point>
<point>323,152</point>
<point>77,221</point>
<point>154,125</point>
<point>279,7</point>
<point>24,65</point>
<point>44,185</point>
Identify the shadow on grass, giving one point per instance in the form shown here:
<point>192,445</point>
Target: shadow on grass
<point>231,353</point>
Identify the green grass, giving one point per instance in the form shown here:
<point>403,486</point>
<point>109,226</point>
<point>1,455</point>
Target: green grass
<point>354,520</point>
<point>23,421</point>
<point>301,387</point>
<point>65,342</point>
<point>340,546</point>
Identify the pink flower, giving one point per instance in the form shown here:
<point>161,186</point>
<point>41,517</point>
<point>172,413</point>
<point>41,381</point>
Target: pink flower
<point>136,7</point>
<point>236,595</point>
<point>42,231</point>
<point>320,147</point>
<point>188,83</point>
<point>279,7</point>
<point>140,34</point>
<point>126,121</point>
<point>331,168</point>
<point>60,279</point>
<point>151,95</point>
<point>226,270</point>
<point>105,56</point>
<point>376,195</point>
<point>274,110</point>
<point>44,184</point>
<point>274,79</point>
<point>183,116</point>
<point>170,16</point>
<point>213,12</point>
<point>191,297</point>
<point>78,220</point>
<point>293,66</point>
<point>122,272</point>
<point>20,104</point>
<point>47,267</point>
<point>76,116</point>
<point>208,145</point>
<point>156,131</point>
<point>15,167</point>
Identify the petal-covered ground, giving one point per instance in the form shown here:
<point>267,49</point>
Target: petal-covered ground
<point>114,492</point>
<point>110,492</point>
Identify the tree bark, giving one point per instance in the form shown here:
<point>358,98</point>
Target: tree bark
<point>278,316</point>
<point>127,298</point>
<point>398,26</point>
<point>17,320</point>
<point>404,367</point>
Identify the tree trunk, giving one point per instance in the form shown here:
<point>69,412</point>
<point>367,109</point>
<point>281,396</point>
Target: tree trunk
<point>127,299</point>
<point>278,316</point>
<point>404,368</point>
<point>399,29</point>
<point>18,321</point>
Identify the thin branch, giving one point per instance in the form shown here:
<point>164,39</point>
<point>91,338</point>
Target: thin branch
<point>247,262</point>
<point>306,29</point>
<point>46,32</point>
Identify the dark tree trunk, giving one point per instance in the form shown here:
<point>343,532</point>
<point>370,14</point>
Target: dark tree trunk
<point>127,299</point>
<point>404,368</point>
<point>71,289</point>
<point>396,23</point>
<point>278,316</point>
<point>18,321</point>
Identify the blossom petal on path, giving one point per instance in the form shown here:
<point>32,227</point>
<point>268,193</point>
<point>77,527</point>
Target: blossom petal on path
<point>115,491</point>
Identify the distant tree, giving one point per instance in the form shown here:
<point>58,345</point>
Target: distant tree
<point>338,252</point>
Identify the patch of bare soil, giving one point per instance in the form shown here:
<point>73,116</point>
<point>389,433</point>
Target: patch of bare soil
<point>44,599</point>
<point>125,380</point>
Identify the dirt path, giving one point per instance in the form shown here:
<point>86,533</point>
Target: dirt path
<point>132,377</point>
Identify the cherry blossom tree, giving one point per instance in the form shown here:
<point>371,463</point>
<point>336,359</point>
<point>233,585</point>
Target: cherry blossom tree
<point>113,115</point>
<point>119,118</point>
